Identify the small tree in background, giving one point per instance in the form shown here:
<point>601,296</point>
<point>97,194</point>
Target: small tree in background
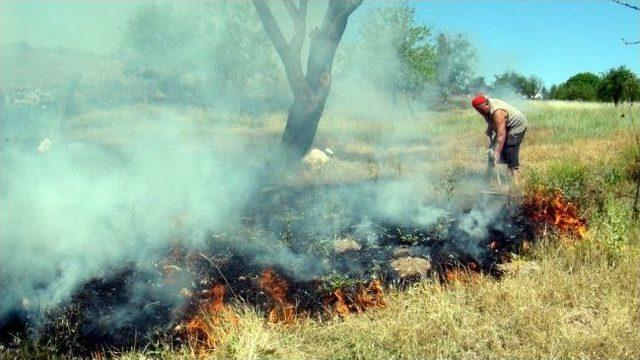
<point>478,84</point>
<point>582,86</point>
<point>241,65</point>
<point>158,48</point>
<point>532,87</point>
<point>393,53</point>
<point>528,87</point>
<point>618,85</point>
<point>454,70</point>
<point>213,53</point>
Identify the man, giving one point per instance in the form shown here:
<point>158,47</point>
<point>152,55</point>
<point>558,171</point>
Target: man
<point>506,127</point>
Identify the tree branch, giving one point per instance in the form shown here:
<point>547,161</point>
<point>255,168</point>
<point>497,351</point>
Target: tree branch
<point>291,9</point>
<point>299,17</point>
<point>626,4</point>
<point>325,41</point>
<point>289,53</point>
<point>272,29</point>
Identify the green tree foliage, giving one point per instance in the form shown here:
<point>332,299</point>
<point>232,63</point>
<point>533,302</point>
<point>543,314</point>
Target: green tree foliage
<point>158,48</point>
<point>402,57</point>
<point>453,65</point>
<point>619,85</point>
<point>242,64</point>
<point>532,87</point>
<point>582,86</point>
<point>526,86</point>
<point>478,84</point>
<point>393,51</point>
<point>215,53</point>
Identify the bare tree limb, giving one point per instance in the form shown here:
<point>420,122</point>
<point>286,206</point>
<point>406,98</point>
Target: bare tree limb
<point>289,53</point>
<point>299,17</point>
<point>325,41</point>
<point>631,6</point>
<point>626,4</point>
<point>271,28</point>
<point>291,9</point>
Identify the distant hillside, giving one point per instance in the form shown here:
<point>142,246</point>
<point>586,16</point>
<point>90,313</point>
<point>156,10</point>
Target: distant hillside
<point>24,66</point>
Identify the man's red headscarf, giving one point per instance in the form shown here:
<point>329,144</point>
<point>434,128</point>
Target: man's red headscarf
<point>479,99</point>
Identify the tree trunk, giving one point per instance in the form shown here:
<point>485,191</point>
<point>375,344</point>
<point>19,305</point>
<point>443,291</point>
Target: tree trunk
<point>301,128</point>
<point>311,90</point>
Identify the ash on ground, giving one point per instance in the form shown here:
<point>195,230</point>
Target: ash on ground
<point>316,238</point>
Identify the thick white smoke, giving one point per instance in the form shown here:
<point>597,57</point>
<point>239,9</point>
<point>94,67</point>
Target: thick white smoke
<point>82,209</point>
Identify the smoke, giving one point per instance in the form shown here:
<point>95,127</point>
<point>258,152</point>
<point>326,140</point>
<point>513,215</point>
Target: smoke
<point>122,184</point>
<point>81,209</point>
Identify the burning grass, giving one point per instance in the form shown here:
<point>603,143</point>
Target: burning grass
<point>205,321</point>
<point>213,323</point>
<point>461,274</point>
<point>344,302</point>
<point>448,250</point>
<point>550,210</point>
<point>589,312</point>
<point>281,309</point>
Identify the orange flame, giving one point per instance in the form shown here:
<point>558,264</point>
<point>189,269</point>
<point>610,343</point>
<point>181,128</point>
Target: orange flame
<point>211,324</point>
<point>365,297</point>
<point>370,296</point>
<point>340,303</point>
<point>552,209</point>
<point>464,275</point>
<point>282,310</point>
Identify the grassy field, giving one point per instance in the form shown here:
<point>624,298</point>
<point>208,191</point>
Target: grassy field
<point>563,300</point>
<point>579,301</point>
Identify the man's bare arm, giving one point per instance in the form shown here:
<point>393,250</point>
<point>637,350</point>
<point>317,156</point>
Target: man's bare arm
<point>499,124</point>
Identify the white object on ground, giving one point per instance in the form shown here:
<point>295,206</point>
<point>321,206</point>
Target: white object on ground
<point>45,146</point>
<point>316,158</point>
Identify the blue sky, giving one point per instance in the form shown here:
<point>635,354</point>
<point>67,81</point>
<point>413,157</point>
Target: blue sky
<point>551,39</point>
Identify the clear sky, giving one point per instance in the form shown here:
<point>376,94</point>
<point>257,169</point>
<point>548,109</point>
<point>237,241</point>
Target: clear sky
<point>551,39</point>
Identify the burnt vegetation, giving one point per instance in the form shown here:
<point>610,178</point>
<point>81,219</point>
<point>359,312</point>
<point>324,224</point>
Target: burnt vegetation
<point>140,305</point>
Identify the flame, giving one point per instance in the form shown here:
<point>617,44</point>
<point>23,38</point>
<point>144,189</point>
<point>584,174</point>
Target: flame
<point>365,297</point>
<point>340,304</point>
<point>282,310</point>
<point>552,209</point>
<point>211,324</point>
<point>370,296</point>
<point>462,274</point>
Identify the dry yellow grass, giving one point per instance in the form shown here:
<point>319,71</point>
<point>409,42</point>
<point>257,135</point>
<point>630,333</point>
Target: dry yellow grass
<point>576,302</point>
<point>576,305</point>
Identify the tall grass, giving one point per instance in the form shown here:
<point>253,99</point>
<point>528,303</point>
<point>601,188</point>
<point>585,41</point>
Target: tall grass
<point>578,301</point>
<point>575,304</point>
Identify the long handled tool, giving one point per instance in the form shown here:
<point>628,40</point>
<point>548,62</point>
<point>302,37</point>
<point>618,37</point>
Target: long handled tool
<point>491,163</point>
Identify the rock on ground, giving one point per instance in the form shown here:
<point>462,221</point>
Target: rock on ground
<point>410,267</point>
<point>45,146</point>
<point>316,158</point>
<point>344,245</point>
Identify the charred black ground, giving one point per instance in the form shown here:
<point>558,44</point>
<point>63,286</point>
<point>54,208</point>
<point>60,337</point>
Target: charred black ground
<point>138,304</point>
